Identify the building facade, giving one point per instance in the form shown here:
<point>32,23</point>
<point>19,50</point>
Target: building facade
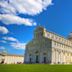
<point>1,58</point>
<point>11,59</point>
<point>48,47</point>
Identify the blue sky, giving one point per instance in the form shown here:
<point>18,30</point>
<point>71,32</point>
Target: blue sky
<point>19,19</point>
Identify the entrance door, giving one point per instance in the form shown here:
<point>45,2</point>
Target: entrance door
<point>44,59</point>
<point>30,60</point>
<point>37,59</point>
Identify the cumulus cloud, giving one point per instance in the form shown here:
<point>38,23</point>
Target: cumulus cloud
<point>3,30</point>
<point>10,39</point>
<point>12,19</point>
<point>18,45</point>
<point>30,7</point>
<point>14,43</point>
<point>15,7</point>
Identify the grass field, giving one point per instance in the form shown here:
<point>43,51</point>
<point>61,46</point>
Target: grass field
<point>35,68</point>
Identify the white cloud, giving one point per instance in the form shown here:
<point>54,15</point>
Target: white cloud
<point>10,39</point>
<point>14,7</point>
<point>2,48</point>
<point>30,7</point>
<point>3,30</point>
<point>5,7</point>
<point>12,19</point>
<point>3,41</point>
<point>14,43</point>
<point>18,45</point>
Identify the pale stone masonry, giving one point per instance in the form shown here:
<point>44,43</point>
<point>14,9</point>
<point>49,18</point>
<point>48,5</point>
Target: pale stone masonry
<point>48,47</point>
<point>11,59</point>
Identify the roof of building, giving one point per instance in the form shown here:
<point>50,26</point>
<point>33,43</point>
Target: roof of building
<point>14,55</point>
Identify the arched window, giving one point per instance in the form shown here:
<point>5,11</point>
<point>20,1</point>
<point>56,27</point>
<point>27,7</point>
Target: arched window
<point>44,53</point>
<point>36,52</point>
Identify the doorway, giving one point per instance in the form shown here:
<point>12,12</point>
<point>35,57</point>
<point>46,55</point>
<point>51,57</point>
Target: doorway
<point>37,59</point>
<point>30,60</point>
<point>44,60</point>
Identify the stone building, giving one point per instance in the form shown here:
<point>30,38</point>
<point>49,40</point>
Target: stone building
<point>13,59</point>
<point>1,58</point>
<point>48,47</point>
<point>3,53</point>
<point>10,58</point>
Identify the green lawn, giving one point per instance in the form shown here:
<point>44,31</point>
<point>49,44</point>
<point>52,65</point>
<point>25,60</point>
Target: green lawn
<point>35,68</point>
